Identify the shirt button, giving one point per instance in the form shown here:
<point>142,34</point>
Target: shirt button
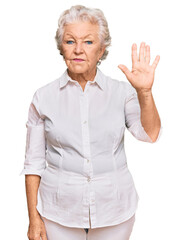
<point>88,160</point>
<point>85,122</point>
<point>88,179</point>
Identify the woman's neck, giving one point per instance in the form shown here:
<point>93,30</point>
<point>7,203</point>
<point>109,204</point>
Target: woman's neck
<point>82,78</point>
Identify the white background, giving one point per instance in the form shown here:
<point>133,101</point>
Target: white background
<point>29,59</point>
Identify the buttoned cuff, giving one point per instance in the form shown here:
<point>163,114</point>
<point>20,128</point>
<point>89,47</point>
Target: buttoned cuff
<point>139,132</point>
<point>146,136</point>
<point>26,171</point>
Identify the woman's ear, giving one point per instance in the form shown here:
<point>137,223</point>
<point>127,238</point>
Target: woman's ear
<point>102,50</point>
<point>61,50</point>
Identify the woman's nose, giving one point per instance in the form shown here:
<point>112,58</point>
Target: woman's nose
<point>78,48</point>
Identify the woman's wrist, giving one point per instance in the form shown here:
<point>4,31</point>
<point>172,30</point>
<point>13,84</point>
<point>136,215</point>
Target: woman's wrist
<point>34,215</point>
<point>144,91</point>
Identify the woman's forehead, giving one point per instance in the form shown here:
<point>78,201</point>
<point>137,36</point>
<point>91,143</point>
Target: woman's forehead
<point>81,29</point>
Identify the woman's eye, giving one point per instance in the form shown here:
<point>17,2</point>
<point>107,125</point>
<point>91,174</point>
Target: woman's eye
<point>89,42</point>
<point>69,42</point>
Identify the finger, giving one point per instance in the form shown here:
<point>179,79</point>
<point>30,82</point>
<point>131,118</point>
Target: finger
<point>125,70</point>
<point>44,233</point>
<point>147,55</point>
<point>134,54</point>
<point>156,61</point>
<point>141,54</point>
<point>43,236</point>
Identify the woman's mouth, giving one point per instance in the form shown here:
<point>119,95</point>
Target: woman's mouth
<point>78,60</point>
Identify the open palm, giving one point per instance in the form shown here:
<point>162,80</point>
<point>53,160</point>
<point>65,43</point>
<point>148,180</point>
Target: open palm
<point>141,76</point>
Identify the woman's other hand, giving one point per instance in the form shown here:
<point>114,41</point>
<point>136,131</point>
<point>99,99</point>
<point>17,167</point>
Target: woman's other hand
<point>141,76</point>
<point>36,229</point>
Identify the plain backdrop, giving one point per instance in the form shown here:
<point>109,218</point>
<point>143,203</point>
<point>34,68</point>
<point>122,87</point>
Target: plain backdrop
<point>30,59</point>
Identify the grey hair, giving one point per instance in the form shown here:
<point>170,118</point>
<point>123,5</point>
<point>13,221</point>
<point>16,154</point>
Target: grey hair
<point>82,13</point>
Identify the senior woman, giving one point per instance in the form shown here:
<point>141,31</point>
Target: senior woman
<point>78,185</point>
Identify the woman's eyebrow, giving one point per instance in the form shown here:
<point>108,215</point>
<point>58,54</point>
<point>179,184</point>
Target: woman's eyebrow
<point>69,34</point>
<point>88,35</point>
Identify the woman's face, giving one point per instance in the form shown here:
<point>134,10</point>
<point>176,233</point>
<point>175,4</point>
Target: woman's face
<point>81,47</point>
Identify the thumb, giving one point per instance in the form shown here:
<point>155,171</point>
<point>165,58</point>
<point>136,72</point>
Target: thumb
<point>125,70</point>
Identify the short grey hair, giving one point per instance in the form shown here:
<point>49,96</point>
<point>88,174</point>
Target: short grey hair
<point>82,13</point>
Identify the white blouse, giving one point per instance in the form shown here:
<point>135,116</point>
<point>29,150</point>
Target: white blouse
<point>75,142</point>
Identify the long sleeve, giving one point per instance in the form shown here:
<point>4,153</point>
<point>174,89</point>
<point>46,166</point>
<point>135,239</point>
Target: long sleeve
<point>35,141</point>
<point>132,116</point>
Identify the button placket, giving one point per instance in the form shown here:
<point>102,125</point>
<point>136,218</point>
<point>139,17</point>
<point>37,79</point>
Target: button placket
<point>85,131</point>
<point>87,166</point>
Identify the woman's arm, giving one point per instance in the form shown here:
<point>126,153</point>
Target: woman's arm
<point>34,165</point>
<point>149,115</point>
<point>32,183</point>
<point>36,229</point>
<point>141,78</point>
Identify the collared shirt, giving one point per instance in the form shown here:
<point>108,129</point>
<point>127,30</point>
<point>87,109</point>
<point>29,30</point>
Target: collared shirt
<point>75,143</point>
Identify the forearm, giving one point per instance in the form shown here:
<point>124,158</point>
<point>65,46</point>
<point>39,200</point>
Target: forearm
<point>32,183</point>
<point>149,115</point>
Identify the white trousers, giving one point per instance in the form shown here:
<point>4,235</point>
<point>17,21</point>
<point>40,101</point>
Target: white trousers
<point>56,231</point>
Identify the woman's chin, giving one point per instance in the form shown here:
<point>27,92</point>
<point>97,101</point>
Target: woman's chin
<point>78,69</point>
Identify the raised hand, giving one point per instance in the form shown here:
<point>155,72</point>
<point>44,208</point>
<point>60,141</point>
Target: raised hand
<point>141,76</point>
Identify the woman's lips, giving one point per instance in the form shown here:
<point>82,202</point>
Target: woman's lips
<point>78,60</point>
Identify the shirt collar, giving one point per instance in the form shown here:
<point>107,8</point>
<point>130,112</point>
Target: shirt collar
<point>99,79</point>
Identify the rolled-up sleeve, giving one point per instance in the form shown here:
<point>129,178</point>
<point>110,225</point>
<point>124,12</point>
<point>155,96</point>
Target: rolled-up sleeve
<point>34,162</point>
<point>133,116</point>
